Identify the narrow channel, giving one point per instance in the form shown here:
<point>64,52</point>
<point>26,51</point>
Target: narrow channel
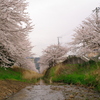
<point>41,91</point>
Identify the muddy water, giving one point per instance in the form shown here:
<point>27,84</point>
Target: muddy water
<point>55,92</point>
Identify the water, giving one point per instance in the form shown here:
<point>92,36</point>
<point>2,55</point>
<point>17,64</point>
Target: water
<point>38,92</point>
<point>55,92</point>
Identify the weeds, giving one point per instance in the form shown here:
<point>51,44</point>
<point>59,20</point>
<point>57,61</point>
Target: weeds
<point>87,74</point>
<point>19,74</point>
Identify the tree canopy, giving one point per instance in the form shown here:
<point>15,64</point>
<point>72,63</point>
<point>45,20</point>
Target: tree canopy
<point>15,25</point>
<point>87,36</point>
<point>51,55</point>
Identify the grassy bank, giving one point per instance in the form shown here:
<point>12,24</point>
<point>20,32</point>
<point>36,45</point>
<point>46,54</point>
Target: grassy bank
<point>19,74</point>
<point>87,74</point>
<point>14,79</point>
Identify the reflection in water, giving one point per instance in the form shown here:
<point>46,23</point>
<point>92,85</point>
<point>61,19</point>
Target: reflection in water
<point>38,92</point>
<point>51,92</point>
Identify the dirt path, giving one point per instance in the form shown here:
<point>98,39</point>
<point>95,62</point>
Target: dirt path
<point>55,92</point>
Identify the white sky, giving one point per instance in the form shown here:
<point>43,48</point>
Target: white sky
<point>56,18</point>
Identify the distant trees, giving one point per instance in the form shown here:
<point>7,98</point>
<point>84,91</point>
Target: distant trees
<point>15,25</point>
<point>52,54</point>
<point>87,36</point>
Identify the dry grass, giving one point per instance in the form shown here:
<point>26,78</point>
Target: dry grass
<point>44,72</point>
<point>97,73</point>
<point>27,74</point>
<point>17,69</point>
<point>64,69</point>
<point>59,69</point>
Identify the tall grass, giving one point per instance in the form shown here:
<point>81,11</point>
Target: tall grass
<point>19,74</point>
<point>29,74</point>
<point>87,74</point>
<point>9,74</point>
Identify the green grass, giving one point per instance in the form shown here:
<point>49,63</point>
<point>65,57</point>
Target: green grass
<point>76,79</point>
<point>84,74</point>
<point>10,74</point>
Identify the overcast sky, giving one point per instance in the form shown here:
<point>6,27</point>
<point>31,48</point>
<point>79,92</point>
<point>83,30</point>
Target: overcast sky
<point>57,18</point>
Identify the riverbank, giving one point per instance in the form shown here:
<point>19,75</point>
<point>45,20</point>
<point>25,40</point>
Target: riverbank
<point>10,87</point>
<point>14,79</point>
<point>87,74</point>
<point>15,90</point>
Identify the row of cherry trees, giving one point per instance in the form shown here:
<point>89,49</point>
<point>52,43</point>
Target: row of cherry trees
<point>15,25</point>
<point>86,40</point>
<point>87,36</point>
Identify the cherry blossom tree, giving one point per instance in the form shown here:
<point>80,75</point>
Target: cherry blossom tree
<point>87,36</point>
<point>51,55</point>
<point>15,25</point>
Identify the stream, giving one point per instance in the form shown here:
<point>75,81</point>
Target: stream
<point>55,92</point>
